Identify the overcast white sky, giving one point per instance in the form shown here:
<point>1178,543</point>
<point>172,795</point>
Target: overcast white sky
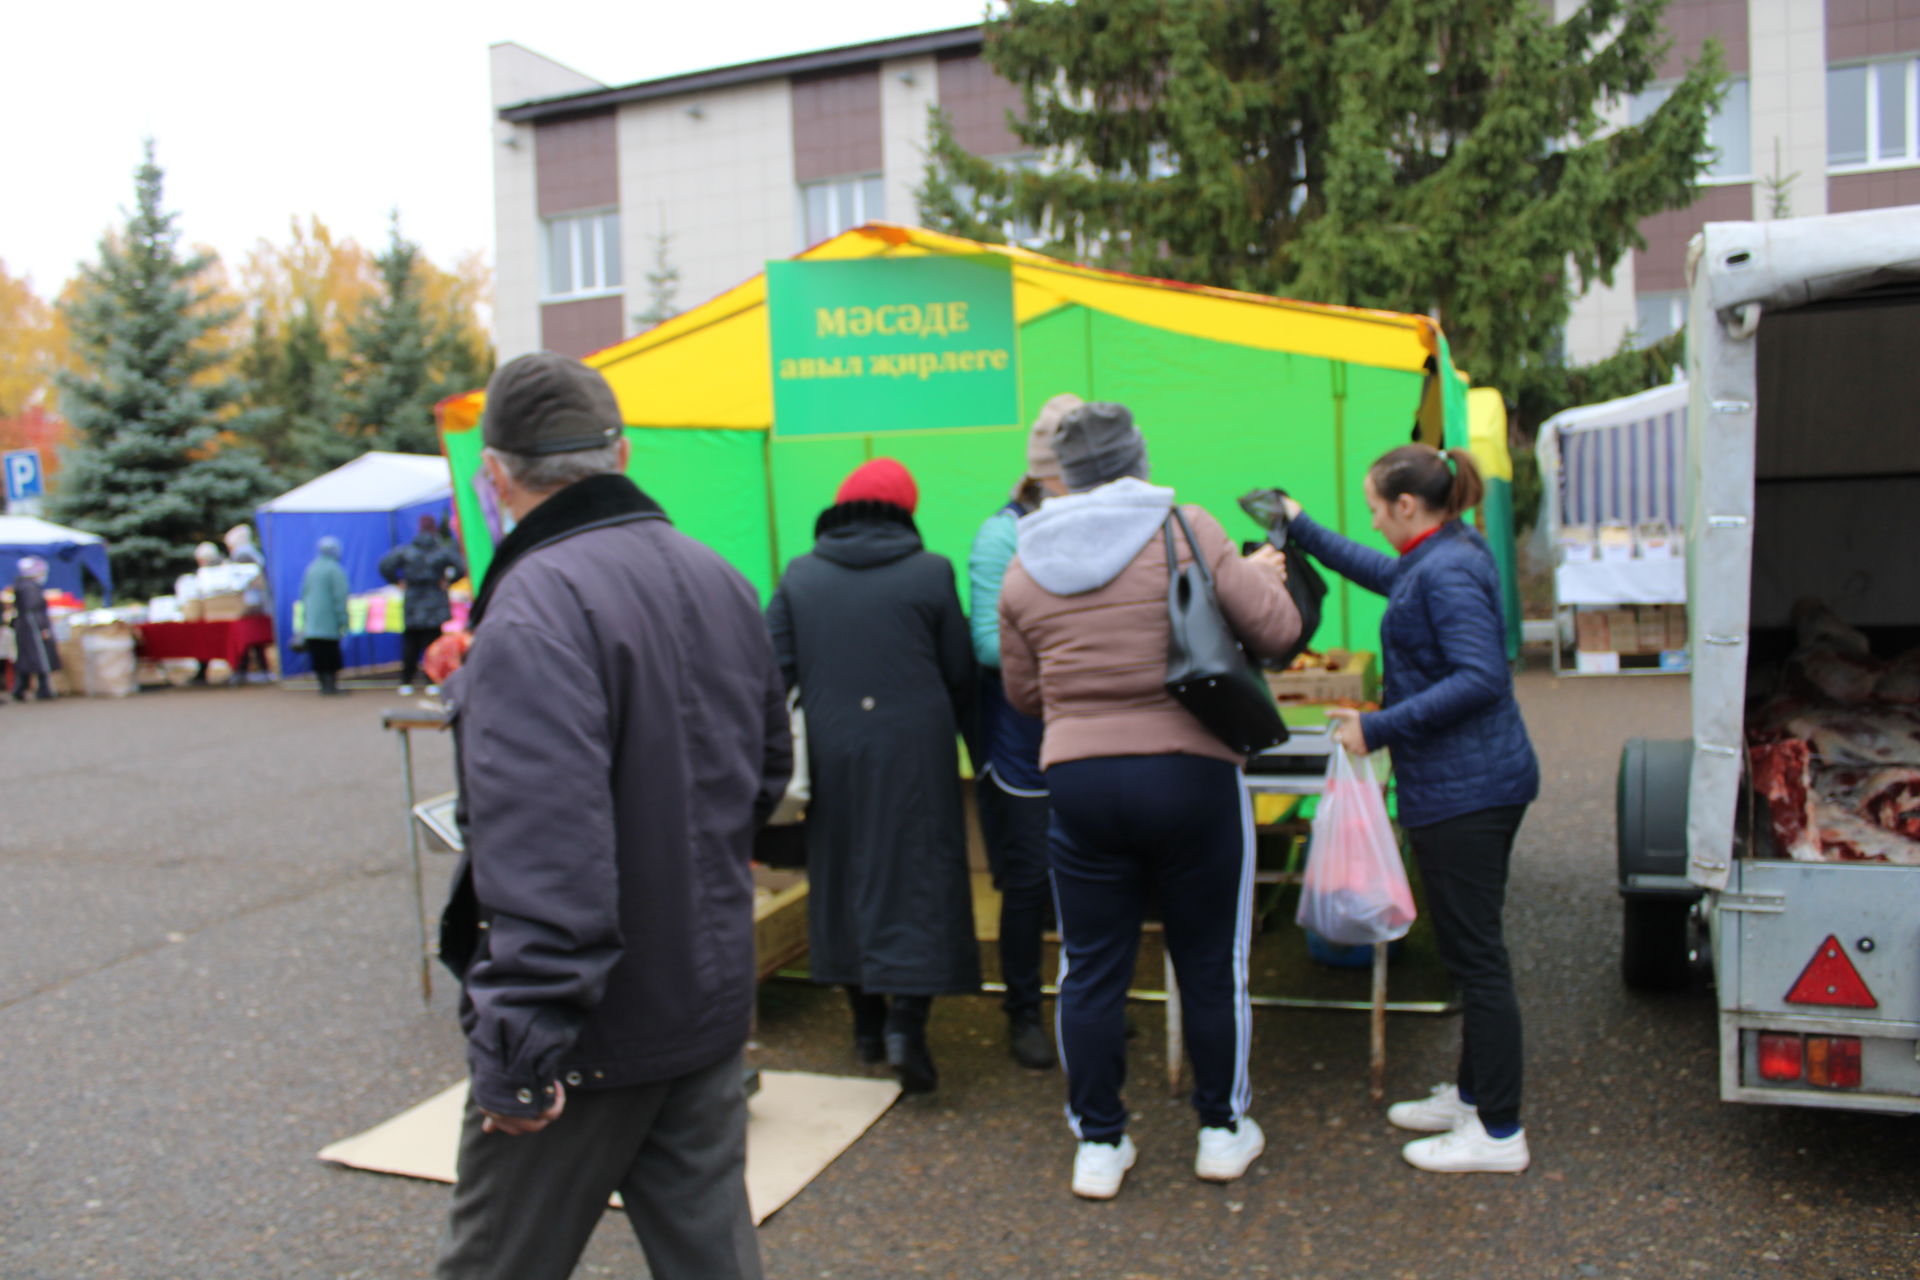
<point>264,112</point>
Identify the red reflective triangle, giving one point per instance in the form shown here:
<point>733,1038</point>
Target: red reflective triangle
<point>1830,978</point>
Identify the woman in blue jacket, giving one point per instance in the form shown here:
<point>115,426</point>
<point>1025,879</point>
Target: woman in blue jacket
<point>1465,771</point>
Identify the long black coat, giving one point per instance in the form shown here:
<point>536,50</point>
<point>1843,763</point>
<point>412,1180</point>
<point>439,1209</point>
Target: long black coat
<point>423,568</point>
<point>868,625</point>
<point>32,630</point>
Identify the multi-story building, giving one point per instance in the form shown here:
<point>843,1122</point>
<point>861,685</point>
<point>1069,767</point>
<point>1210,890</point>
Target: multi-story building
<point>599,190</point>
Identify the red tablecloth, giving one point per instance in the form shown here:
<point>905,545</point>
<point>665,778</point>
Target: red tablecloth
<point>205,641</point>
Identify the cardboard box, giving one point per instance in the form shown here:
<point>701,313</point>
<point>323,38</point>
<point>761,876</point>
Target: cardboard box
<point>1597,664</point>
<point>193,610</point>
<point>226,606</point>
<point>1651,634</point>
<point>1676,626</point>
<point>779,919</point>
<point>1623,628</point>
<point>1357,680</point>
<point>1591,634</point>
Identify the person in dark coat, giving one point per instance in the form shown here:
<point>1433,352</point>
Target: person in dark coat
<point>868,627</point>
<point>1464,769</point>
<point>620,731</point>
<point>36,655</point>
<point>423,568</point>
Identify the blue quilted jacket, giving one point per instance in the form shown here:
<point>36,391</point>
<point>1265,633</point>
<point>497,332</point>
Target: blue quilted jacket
<point>1448,713</point>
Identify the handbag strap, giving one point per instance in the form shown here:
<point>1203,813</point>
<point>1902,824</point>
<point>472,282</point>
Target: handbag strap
<point>1173,558</point>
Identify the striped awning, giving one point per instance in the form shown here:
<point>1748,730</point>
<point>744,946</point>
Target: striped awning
<point>1620,462</point>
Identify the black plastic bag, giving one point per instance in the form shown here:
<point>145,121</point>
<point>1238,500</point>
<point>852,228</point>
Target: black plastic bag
<point>1304,583</point>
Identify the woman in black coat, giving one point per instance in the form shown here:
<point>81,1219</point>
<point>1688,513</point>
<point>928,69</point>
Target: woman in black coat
<point>868,627</point>
<point>36,656</point>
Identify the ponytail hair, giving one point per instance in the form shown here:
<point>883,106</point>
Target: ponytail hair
<point>1445,483</point>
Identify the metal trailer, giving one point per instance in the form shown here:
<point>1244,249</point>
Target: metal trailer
<point>1802,478</point>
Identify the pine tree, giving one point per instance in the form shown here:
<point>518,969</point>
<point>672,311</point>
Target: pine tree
<point>391,395</point>
<point>294,380</point>
<point>1418,155</point>
<point>160,462</point>
<point>406,354</point>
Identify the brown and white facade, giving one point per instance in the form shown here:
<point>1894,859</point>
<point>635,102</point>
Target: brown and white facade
<point>733,167</point>
<point>742,164</point>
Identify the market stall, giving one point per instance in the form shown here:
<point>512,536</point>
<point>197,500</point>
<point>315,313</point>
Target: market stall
<point>69,554</point>
<point>221,641</point>
<point>372,505</point>
<point>1612,510</point>
<point>1233,390</point>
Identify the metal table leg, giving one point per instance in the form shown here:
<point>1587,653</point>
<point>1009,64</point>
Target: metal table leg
<point>1377,1041</point>
<point>413,857</point>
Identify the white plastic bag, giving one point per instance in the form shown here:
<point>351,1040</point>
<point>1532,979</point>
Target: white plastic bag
<point>793,805</point>
<point>1355,890</point>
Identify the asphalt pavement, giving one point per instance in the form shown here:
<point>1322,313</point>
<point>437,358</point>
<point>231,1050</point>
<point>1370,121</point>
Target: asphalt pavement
<point>207,973</point>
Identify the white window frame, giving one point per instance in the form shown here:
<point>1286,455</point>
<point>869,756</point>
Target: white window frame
<point>847,187</point>
<point>1655,96</point>
<point>1676,305</point>
<point>1909,64</point>
<point>586,251</point>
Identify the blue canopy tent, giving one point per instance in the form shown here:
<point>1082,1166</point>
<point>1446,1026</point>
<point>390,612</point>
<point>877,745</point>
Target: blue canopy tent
<point>371,504</point>
<point>66,551</point>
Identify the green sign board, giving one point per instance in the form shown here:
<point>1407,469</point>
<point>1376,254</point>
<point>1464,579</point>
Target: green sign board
<point>892,344</point>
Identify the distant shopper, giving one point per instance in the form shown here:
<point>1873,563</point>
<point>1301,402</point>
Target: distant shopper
<point>205,556</point>
<point>36,656</point>
<point>1008,786</point>
<point>1464,770</point>
<point>424,568</point>
<point>323,608</point>
<point>1146,804</point>
<point>257,597</point>
<point>868,626</point>
<point>620,732</point>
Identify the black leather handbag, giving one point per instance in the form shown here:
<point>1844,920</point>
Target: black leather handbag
<point>1305,586</point>
<point>1208,671</point>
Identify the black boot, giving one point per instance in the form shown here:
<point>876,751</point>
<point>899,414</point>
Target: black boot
<point>907,1050</point>
<point>1028,1040</point>
<point>869,1025</point>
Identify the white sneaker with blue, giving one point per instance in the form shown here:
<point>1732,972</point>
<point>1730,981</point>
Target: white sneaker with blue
<point>1438,1112</point>
<point>1469,1149</point>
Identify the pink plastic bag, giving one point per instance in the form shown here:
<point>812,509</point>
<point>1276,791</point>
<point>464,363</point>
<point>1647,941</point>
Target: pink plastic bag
<point>1355,891</point>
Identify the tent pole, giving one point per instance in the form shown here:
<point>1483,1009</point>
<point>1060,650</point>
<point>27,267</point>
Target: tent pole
<point>1339,370</point>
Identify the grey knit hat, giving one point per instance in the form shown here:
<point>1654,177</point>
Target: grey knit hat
<point>1097,444</point>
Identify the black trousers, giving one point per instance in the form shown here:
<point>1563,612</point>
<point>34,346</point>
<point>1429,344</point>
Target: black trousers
<point>1463,865</point>
<point>1177,830</point>
<point>413,643</point>
<point>1014,828</point>
<point>524,1207</point>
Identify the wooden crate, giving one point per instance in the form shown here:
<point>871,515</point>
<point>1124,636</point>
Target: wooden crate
<point>1357,681</point>
<point>779,919</point>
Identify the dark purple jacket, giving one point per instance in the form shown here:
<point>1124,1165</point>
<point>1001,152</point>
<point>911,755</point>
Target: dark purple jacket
<point>621,730</point>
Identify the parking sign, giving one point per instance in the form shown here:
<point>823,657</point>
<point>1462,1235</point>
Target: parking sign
<point>24,480</point>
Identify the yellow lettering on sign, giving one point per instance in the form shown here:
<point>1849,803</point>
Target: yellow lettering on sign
<point>829,323</point>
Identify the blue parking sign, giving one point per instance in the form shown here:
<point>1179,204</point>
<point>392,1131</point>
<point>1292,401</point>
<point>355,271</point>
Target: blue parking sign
<point>24,479</point>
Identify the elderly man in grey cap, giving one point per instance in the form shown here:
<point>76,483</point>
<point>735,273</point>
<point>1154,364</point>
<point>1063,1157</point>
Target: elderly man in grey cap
<point>620,731</point>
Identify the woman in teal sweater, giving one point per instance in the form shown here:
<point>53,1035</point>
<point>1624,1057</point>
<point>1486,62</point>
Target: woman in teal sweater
<point>323,613</point>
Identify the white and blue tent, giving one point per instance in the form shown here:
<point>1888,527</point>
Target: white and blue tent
<point>371,504</point>
<point>67,552</point>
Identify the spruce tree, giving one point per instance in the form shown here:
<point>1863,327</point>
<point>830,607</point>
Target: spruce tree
<point>1418,155</point>
<point>160,461</point>
<point>294,380</point>
<point>392,390</point>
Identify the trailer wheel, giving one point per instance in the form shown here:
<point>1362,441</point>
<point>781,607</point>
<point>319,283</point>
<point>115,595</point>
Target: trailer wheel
<point>1656,945</point>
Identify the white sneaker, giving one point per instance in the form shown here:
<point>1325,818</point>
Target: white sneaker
<point>1438,1112</point>
<point>406,691</point>
<point>1099,1167</point>
<point>1224,1154</point>
<point>1469,1149</point>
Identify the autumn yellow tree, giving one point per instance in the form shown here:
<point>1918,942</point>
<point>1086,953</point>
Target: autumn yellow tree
<point>33,345</point>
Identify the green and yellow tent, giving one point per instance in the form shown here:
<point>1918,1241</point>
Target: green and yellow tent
<point>1233,390</point>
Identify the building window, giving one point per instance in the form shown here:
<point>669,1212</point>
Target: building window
<point>1872,114</point>
<point>841,204</point>
<point>583,255</point>
<point>1729,135</point>
<point>1657,316</point>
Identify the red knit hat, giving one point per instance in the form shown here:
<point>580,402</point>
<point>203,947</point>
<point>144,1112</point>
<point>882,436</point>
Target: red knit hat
<point>881,480</point>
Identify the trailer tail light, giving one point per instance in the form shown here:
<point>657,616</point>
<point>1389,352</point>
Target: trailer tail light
<point>1831,979</point>
<point>1825,1062</point>
<point>1779,1056</point>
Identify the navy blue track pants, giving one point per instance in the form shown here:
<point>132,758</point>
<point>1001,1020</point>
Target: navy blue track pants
<point>1175,830</point>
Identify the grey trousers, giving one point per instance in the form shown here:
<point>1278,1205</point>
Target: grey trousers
<point>524,1207</point>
